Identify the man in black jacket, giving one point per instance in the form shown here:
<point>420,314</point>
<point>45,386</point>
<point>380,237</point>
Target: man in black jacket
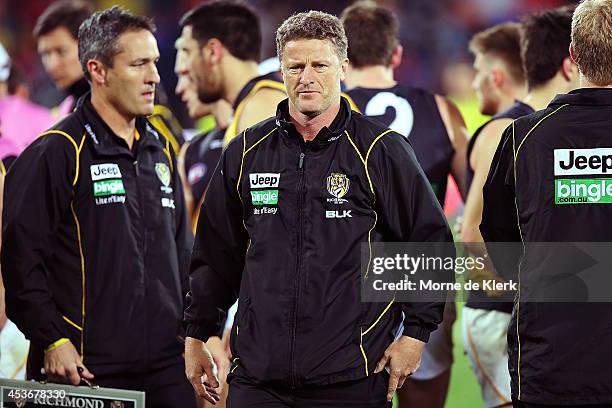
<point>548,183</point>
<point>96,242</point>
<point>291,201</point>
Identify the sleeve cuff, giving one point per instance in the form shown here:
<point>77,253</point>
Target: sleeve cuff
<point>56,344</point>
<point>417,332</point>
<point>196,332</point>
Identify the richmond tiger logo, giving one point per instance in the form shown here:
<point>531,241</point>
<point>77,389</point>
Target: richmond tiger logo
<point>337,184</point>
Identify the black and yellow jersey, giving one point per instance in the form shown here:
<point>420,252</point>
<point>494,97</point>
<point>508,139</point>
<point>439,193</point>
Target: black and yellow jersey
<point>271,80</point>
<point>201,156</point>
<point>96,245</point>
<point>413,113</point>
<point>167,124</point>
<point>550,183</point>
<point>282,225</point>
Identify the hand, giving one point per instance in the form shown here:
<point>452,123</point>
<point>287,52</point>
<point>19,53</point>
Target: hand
<point>403,357</point>
<point>61,365</point>
<point>201,370</point>
<point>216,347</point>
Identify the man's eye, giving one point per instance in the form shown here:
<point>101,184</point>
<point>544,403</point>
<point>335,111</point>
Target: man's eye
<point>294,70</point>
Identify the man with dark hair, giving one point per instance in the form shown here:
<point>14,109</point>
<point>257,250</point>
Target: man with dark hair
<point>291,253</point>
<point>437,133</point>
<point>223,43</point>
<point>501,85</point>
<point>56,32</point>
<point>199,156</point>
<point>539,191</point>
<point>96,239</point>
<point>545,41</point>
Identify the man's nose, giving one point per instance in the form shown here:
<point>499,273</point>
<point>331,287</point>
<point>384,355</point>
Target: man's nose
<point>307,76</point>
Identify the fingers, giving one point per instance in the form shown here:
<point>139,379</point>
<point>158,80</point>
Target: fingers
<point>196,383</point>
<point>72,375</point>
<point>85,373</point>
<point>393,381</point>
<point>211,375</point>
<point>382,362</point>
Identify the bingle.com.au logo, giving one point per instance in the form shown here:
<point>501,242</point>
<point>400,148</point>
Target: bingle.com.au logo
<point>583,162</point>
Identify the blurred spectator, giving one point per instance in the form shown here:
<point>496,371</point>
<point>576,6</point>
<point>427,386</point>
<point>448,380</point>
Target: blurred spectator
<point>20,120</point>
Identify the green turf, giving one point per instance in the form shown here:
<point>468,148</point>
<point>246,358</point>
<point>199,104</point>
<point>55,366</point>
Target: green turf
<point>463,391</point>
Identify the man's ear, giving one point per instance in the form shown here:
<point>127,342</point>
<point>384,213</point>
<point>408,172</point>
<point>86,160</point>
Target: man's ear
<point>569,69</point>
<point>97,71</point>
<point>498,77</point>
<point>213,50</point>
<point>343,68</point>
<point>396,56</point>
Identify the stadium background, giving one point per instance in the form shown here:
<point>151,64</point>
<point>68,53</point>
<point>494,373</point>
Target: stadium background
<point>434,34</point>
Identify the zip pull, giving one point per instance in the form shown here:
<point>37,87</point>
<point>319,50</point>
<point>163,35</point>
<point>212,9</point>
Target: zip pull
<point>136,167</point>
<point>301,163</point>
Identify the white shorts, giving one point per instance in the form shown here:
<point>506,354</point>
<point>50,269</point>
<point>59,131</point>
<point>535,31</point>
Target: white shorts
<point>13,352</point>
<point>438,353</point>
<point>484,339</point>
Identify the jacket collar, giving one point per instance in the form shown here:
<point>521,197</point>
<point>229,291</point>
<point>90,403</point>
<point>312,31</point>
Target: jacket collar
<point>326,135</point>
<point>585,96</point>
<point>105,141</point>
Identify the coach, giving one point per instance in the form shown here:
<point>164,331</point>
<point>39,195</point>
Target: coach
<point>287,209</point>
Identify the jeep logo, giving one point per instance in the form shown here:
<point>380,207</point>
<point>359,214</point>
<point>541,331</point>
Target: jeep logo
<point>264,180</point>
<point>104,171</point>
<point>583,161</point>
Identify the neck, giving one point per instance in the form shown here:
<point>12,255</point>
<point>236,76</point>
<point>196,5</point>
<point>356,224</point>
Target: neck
<point>373,76</point>
<point>237,74</point>
<point>540,96</point>
<point>222,113</point>
<point>122,125</point>
<point>509,95</point>
<point>310,126</point>
<point>585,83</point>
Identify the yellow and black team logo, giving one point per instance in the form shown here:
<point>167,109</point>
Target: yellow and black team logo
<point>338,186</point>
<point>163,173</point>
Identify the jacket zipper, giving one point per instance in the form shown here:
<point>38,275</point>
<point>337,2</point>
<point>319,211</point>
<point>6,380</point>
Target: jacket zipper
<point>296,300</point>
<point>143,249</point>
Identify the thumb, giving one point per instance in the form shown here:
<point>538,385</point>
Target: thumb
<point>84,372</point>
<point>381,364</point>
<point>211,373</point>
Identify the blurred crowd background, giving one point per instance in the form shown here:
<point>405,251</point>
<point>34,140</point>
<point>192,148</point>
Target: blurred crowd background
<point>434,34</point>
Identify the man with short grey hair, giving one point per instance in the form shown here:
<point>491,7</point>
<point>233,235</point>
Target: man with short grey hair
<point>281,228</point>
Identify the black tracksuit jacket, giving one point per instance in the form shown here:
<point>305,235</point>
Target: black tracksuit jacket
<point>96,245</point>
<point>279,232</point>
<point>559,352</point>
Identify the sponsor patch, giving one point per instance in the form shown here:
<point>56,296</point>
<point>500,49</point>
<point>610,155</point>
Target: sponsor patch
<point>167,202</point>
<point>104,171</point>
<point>264,197</point>
<point>264,180</point>
<point>338,214</point>
<point>163,173</point>
<point>583,191</point>
<point>264,210</point>
<point>583,161</point>
<point>108,187</point>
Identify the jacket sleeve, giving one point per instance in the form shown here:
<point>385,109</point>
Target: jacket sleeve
<point>218,254</point>
<point>37,197</point>
<point>411,213</point>
<point>499,215</point>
